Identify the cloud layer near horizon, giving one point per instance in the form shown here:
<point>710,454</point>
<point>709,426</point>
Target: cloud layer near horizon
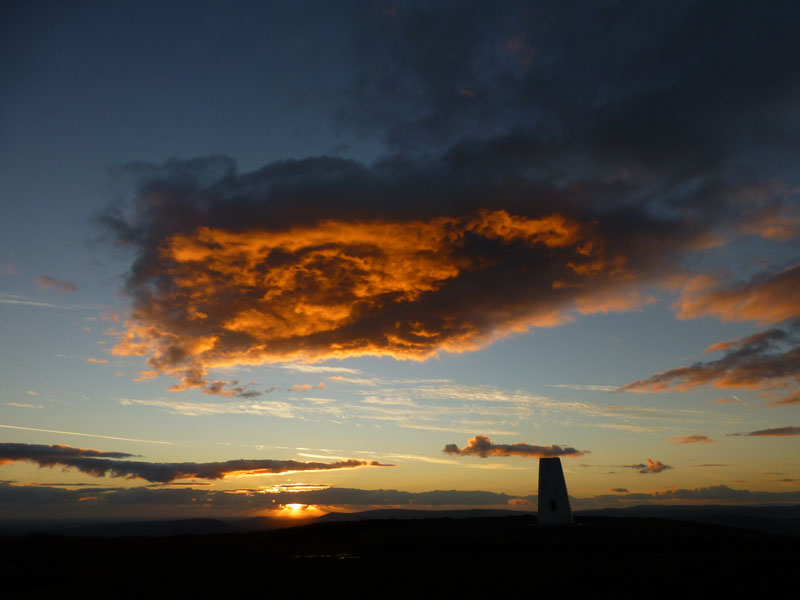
<point>99,464</point>
<point>482,446</point>
<point>37,501</point>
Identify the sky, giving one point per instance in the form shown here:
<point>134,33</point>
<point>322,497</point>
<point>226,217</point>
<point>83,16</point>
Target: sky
<point>280,258</point>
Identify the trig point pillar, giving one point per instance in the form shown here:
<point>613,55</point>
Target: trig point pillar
<point>553,500</point>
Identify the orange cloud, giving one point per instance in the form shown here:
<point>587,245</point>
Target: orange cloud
<point>482,446</point>
<point>338,289</point>
<point>764,361</point>
<point>772,222</point>
<point>691,439</point>
<point>101,361</point>
<point>792,398</point>
<point>763,299</point>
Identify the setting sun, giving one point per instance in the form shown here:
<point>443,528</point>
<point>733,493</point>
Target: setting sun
<point>298,510</point>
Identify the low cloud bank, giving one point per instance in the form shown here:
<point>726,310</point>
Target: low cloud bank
<point>23,501</point>
<point>100,464</point>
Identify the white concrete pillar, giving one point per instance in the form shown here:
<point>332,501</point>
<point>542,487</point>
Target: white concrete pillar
<point>553,500</point>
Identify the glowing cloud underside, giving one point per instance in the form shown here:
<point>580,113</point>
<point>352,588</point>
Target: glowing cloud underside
<point>339,289</point>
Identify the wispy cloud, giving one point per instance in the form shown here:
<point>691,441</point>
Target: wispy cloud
<point>773,432</point>
<point>582,387</point>
<point>464,429</point>
<point>65,287</point>
<point>25,301</point>
<point>283,410</point>
<point>691,439</point>
<point>305,368</point>
<point>627,427</point>
<point>432,406</point>
<point>526,403</point>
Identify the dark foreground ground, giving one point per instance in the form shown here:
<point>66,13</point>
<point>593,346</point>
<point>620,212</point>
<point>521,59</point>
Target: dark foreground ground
<point>426,557</point>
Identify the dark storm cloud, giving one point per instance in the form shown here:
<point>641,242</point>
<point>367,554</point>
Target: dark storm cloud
<point>594,150</point>
<point>482,446</point>
<point>89,462</point>
<point>678,83</point>
<point>768,361</point>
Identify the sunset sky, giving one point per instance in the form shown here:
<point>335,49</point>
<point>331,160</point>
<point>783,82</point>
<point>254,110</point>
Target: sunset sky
<point>366,254</point>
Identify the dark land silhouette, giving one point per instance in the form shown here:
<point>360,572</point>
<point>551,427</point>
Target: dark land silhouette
<point>389,550</point>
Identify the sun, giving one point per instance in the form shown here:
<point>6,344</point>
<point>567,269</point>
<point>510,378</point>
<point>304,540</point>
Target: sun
<point>299,510</point>
<point>295,509</point>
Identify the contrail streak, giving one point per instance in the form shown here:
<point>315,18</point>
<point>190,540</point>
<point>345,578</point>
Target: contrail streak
<point>94,435</point>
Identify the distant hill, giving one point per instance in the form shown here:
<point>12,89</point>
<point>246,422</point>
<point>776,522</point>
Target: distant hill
<point>781,520</point>
<point>770,519</point>
<point>151,528</point>
<point>405,513</point>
